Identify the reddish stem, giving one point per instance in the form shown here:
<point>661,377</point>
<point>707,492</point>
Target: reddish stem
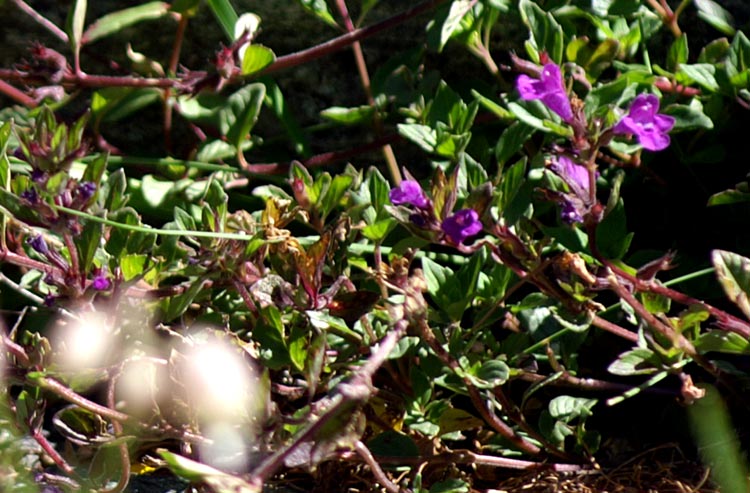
<point>54,455</point>
<point>347,39</point>
<point>43,21</point>
<point>17,95</point>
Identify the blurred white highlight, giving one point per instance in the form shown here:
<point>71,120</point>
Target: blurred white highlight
<point>140,384</point>
<point>227,448</point>
<point>84,342</point>
<point>219,381</point>
<point>228,400</point>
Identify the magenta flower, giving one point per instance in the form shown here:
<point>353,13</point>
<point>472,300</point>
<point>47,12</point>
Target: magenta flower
<point>409,192</point>
<point>549,88</point>
<point>644,121</point>
<point>576,177</point>
<point>101,282</point>
<point>461,225</point>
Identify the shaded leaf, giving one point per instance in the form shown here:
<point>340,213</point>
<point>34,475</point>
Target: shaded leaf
<point>733,272</point>
<point>116,21</point>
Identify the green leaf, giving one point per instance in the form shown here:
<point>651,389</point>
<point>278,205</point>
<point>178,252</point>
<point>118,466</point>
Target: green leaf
<point>115,187</point>
<point>298,343</point>
<point>319,8</point>
<point>114,104</point>
<point>689,117</point>
<point>723,342</point>
<point>5,132</point>
<point>74,24</point>
<point>452,485</point>
<point>325,322</point>
<point>218,481</point>
<point>639,361</point>
<point>656,303</point>
<point>185,7</point>
<point>116,21</point>
<point>678,53</point>
<point>132,265</point>
<point>512,140</point>
<point>452,22</point>
<point>717,440</point>
<point>567,408</point>
<point>87,243</point>
<point>378,230</point>
<point>349,116</point>
<point>715,15</point>
<point>444,288</point>
<point>714,52</point>
<point>546,32</point>
<point>225,15</point>
<point>491,374</point>
<point>733,272</point>
<point>392,443</point>
<point>537,115</point>
<point>736,196</point>
<point>241,112</point>
<point>177,305</point>
<point>379,188</point>
<point>269,334</point>
<point>612,233</point>
<point>276,102</point>
<point>256,58</point>
<point>702,73</point>
<point>422,135</point>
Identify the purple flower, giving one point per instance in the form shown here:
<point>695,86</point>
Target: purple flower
<point>86,190</point>
<point>38,244</point>
<point>570,211</point>
<point>576,177</point>
<point>549,88</point>
<point>409,192</point>
<point>461,225</point>
<point>30,195</point>
<point>644,121</point>
<point>101,282</point>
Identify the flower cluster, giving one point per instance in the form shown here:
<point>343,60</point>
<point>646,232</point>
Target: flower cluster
<point>643,120</point>
<point>457,228</point>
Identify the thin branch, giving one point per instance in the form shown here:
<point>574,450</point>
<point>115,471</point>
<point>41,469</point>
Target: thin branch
<point>614,329</point>
<point>17,95</point>
<point>52,453</point>
<point>346,394</point>
<point>377,471</point>
<point>487,414</point>
<point>43,21</point>
<point>364,76</point>
<point>174,61</point>
<point>341,42</point>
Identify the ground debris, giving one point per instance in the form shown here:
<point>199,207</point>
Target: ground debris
<point>659,470</point>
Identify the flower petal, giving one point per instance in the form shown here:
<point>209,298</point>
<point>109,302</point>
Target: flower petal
<point>664,122</point>
<point>528,88</point>
<point>654,141</point>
